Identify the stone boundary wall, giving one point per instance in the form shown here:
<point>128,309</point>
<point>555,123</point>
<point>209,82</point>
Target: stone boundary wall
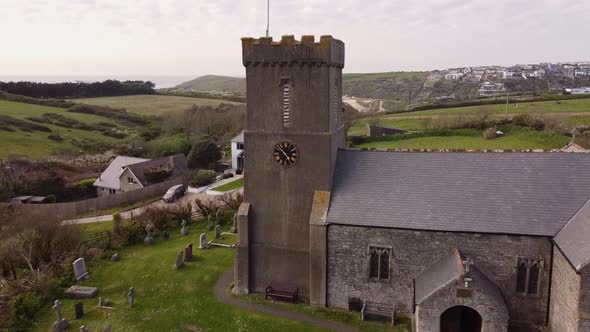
<point>70,209</point>
<point>376,131</point>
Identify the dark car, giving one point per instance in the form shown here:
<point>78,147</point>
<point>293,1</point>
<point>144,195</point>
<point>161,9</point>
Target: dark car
<point>174,193</point>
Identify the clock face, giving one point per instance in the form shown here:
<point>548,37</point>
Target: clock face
<point>285,153</point>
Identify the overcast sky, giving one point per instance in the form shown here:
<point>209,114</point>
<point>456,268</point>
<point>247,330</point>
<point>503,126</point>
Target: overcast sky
<point>196,37</point>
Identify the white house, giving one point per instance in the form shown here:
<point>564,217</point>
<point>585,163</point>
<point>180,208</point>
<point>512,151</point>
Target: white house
<point>237,152</point>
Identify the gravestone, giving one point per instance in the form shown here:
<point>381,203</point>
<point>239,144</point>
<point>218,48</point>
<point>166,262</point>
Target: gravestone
<point>83,328</point>
<point>217,231</point>
<point>60,324</point>
<point>80,269</point>
<point>188,252</point>
<point>203,241</point>
<point>131,296</point>
<point>81,292</point>
<point>217,217</point>
<point>234,226</point>
<point>184,229</point>
<point>115,257</point>
<point>149,239</point>
<point>209,225</point>
<point>79,308</point>
<point>166,235</point>
<point>179,260</point>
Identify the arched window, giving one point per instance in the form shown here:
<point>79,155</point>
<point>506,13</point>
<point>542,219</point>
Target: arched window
<point>534,274</point>
<point>528,275</point>
<point>374,264</point>
<point>384,265</point>
<point>379,258</point>
<point>521,275</point>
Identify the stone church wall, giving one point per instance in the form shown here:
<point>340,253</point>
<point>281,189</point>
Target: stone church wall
<point>565,291</point>
<point>414,251</point>
<point>584,305</point>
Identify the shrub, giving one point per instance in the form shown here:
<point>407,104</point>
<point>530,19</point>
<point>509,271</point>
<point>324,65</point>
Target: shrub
<point>116,222</point>
<point>490,133</point>
<point>530,121</point>
<point>24,306</point>
<point>51,198</point>
<point>203,178</point>
<point>202,154</point>
<point>55,137</point>
<point>87,184</point>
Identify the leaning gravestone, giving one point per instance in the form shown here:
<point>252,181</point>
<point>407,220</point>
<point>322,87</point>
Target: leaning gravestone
<point>81,292</point>
<point>209,225</point>
<point>217,231</point>
<point>184,229</point>
<point>60,324</point>
<point>203,241</point>
<point>179,260</point>
<point>80,269</point>
<point>149,239</point>
<point>79,308</point>
<point>217,217</point>
<point>188,252</point>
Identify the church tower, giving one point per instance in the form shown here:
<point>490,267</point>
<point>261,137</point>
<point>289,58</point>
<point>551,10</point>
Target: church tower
<point>294,129</point>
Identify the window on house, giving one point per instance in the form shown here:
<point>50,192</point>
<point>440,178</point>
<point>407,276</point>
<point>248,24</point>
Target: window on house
<point>240,146</point>
<point>528,275</point>
<point>130,180</point>
<point>287,104</point>
<point>111,191</point>
<point>379,259</point>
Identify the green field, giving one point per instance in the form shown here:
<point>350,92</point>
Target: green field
<point>169,299</point>
<point>152,104</point>
<point>35,144</point>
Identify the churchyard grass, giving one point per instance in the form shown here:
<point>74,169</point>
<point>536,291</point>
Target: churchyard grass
<point>96,227</point>
<point>239,183</point>
<point>166,299</point>
<point>152,104</point>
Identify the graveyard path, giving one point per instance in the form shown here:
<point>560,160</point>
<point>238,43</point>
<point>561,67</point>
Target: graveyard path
<point>221,294</point>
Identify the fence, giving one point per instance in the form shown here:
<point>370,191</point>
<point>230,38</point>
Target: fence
<point>64,210</point>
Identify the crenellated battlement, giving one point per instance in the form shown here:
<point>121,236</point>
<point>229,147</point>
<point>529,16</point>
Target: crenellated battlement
<point>288,51</point>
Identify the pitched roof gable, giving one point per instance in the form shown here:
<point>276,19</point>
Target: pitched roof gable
<point>109,178</point>
<point>176,162</point>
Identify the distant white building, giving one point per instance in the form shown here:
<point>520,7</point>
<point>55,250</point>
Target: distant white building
<point>580,72</point>
<point>237,152</point>
<point>539,73</point>
<point>508,74</point>
<point>453,76</point>
<point>577,91</point>
<point>488,89</point>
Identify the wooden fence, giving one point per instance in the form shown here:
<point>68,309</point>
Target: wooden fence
<point>65,210</point>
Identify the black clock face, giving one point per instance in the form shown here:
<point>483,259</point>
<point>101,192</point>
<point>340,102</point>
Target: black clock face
<point>285,153</point>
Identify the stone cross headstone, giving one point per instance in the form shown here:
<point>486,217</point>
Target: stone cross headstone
<point>188,252</point>
<point>149,239</point>
<point>234,226</point>
<point>60,324</point>
<point>209,226</point>
<point>217,231</point>
<point>80,269</point>
<point>179,260</point>
<point>217,217</point>
<point>131,295</point>
<point>79,308</point>
<point>184,229</point>
<point>203,241</point>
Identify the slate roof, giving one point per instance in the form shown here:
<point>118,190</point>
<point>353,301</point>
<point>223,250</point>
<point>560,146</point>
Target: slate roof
<point>506,193</point>
<point>573,239</point>
<point>179,164</point>
<point>109,178</point>
<point>438,275</point>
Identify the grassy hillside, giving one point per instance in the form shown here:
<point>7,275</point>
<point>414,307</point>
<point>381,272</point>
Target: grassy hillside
<point>36,144</point>
<point>151,104</point>
<point>215,83</point>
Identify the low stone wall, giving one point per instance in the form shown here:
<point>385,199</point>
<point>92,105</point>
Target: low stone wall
<point>65,210</point>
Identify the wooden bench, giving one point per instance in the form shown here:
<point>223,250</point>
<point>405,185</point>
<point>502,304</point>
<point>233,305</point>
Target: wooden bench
<point>378,309</point>
<point>284,293</point>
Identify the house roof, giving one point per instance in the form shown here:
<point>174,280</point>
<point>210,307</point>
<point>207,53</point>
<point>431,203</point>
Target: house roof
<point>109,178</point>
<point>179,166</point>
<point>574,147</point>
<point>239,138</point>
<point>438,275</point>
<point>573,238</point>
<point>506,193</point>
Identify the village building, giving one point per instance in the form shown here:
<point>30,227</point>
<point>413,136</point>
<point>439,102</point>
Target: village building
<point>455,241</point>
<point>129,173</point>
<point>237,153</point>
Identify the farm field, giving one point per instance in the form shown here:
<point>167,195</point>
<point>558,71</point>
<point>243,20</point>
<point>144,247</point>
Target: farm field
<point>172,300</point>
<point>568,113</point>
<point>152,104</point>
<point>36,144</point>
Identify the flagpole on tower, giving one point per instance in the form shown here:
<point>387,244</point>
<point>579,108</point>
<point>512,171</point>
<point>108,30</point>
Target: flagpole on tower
<point>267,16</point>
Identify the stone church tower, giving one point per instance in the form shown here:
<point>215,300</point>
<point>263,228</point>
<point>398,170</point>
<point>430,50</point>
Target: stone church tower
<point>293,132</point>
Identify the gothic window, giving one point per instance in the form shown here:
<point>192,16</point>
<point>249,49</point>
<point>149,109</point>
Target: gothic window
<point>379,262</point>
<point>287,104</point>
<point>528,274</point>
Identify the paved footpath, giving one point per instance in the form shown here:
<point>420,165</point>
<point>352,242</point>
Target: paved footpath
<point>221,294</point>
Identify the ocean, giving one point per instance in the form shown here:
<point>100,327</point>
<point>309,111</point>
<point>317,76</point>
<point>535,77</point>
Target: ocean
<point>160,81</point>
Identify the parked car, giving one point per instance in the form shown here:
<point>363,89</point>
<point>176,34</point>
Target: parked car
<point>174,193</point>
